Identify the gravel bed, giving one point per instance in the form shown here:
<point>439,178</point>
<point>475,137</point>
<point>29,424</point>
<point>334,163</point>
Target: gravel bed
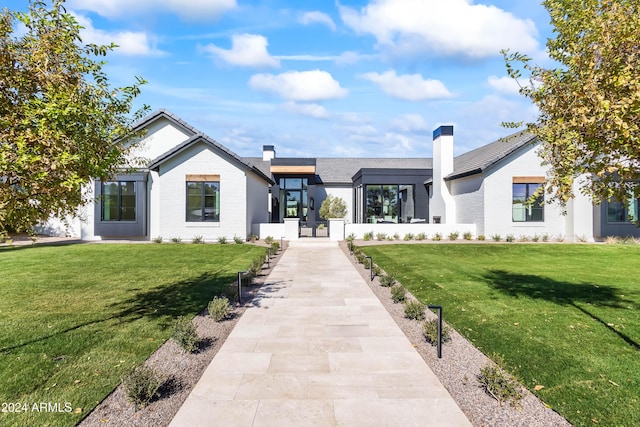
<point>457,371</point>
<point>459,367</point>
<point>182,371</point>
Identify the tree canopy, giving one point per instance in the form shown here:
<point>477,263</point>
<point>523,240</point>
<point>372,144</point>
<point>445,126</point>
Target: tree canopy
<point>61,123</point>
<point>589,105</point>
<point>333,207</point>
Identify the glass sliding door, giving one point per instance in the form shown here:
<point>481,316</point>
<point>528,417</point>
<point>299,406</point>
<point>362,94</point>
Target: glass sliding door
<point>388,203</point>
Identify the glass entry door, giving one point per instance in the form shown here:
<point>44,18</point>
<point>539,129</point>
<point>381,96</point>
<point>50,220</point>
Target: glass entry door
<point>293,198</point>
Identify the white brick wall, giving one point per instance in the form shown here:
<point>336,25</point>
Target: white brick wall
<point>171,188</point>
<point>498,193</point>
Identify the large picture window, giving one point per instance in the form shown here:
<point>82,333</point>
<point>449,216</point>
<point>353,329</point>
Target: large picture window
<point>525,210</point>
<point>389,203</point>
<point>118,201</point>
<point>203,201</point>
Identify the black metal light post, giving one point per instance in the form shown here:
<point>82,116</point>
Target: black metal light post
<point>439,308</point>
<point>240,273</point>
<point>370,266</point>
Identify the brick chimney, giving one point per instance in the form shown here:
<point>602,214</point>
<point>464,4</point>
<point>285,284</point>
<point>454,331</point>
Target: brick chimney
<point>442,206</point>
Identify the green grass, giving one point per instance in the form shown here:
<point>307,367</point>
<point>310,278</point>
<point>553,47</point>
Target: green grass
<point>566,317</point>
<point>75,319</point>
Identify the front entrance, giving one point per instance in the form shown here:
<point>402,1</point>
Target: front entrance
<point>294,198</point>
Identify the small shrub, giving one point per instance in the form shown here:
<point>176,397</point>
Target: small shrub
<point>238,240</point>
<point>421,236</point>
<point>390,237</point>
<point>176,239</point>
<point>396,236</point>
<point>367,263</point>
<point>545,237</point>
<point>612,240</point>
<point>185,334</point>
<point>453,235</point>
<point>509,238</point>
<point>581,238</point>
<point>377,271</point>
<point>219,308</point>
<point>560,238</point>
<point>523,238</point>
<point>437,237</point>
<point>360,257</point>
<point>629,241</point>
<point>498,384</point>
<point>268,240</point>
<point>408,236</point>
<point>157,239</point>
<point>387,280</point>
<point>321,226</point>
<point>381,236</point>
<point>496,237</point>
<point>414,310</point>
<point>535,238</point>
<point>430,332</point>
<point>351,237</point>
<point>222,240</point>
<point>255,268</point>
<point>481,237</point>
<point>367,236</point>
<point>231,292</point>
<point>467,235</point>
<point>398,293</point>
<point>142,385</point>
<point>275,246</point>
<point>252,238</point>
<point>197,240</point>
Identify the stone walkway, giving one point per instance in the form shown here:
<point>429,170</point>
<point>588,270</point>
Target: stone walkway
<point>318,348</point>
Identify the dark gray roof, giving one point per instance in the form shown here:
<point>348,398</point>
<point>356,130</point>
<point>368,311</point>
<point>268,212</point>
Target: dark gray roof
<point>332,170</point>
<point>478,160</point>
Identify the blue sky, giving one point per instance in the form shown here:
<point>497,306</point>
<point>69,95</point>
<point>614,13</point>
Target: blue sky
<point>361,78</point>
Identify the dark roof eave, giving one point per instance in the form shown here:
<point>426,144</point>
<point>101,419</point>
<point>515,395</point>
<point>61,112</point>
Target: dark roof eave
<point>155,164</point>
<point>464,174</point>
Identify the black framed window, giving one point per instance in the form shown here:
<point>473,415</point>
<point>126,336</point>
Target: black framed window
<point>525,210</point>
<point>619,212</point>
<point>118,201</point>
<point>388,203</point>
<point>203,201</point>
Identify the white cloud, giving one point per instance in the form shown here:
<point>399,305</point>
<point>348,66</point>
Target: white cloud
<point>306,109</point>
<point>505,85</point>
<point>311,58</point>
<point>129,42</point>
<point>313,85</point>
<point>409,87</point>
<point>349,58</point>
<point>443,27</point>
<point>247,50</point>
<point>319,18</point>
<point>191,9</point>
<point>410,123</point>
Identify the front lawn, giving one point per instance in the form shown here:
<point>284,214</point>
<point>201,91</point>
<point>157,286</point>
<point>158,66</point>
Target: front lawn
<point>76,318</point>
<point>565,317</point>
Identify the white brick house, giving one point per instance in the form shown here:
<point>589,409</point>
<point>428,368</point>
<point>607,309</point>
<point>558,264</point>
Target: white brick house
<point>190,185</point>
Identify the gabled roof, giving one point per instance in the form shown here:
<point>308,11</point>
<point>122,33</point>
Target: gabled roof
<point>332,170</point>
<point>478,160</point>
<point>162,113</point>
<point>213,145</point>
